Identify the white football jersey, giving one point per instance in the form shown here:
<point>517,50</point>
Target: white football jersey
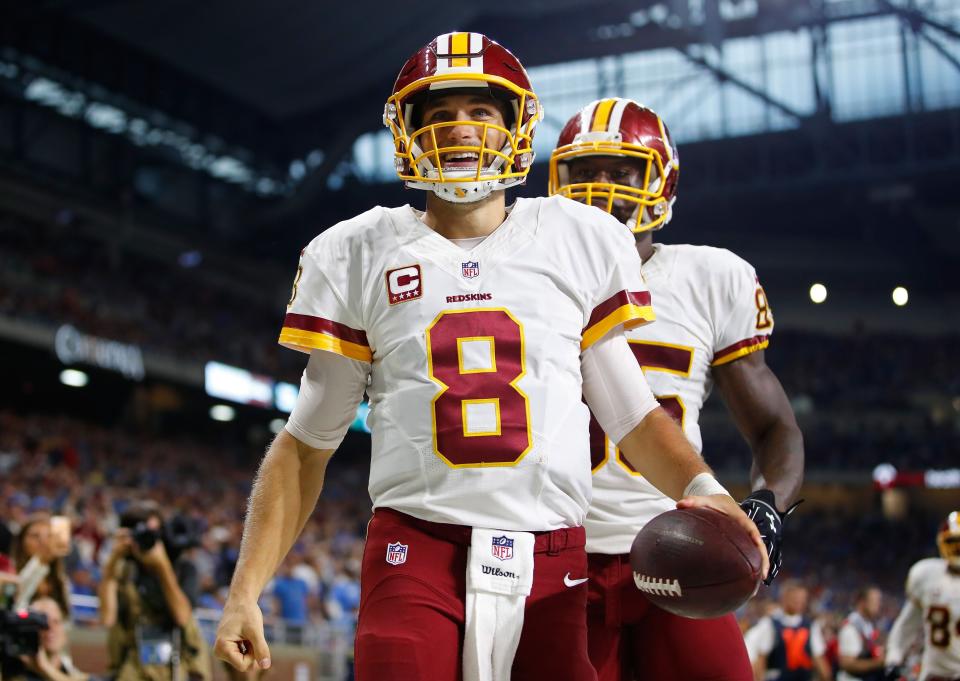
<point>937,593</point>
<point>475,390</point>
<point>711,310</point>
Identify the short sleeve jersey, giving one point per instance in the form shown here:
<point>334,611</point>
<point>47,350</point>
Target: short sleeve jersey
<point>475,386</point>
<point>936,591</point>
<point>711,310</point>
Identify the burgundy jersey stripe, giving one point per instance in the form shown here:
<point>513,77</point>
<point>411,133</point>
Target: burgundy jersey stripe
<point>617,300</point>
<point>306,322</point>
<point>662,356</point>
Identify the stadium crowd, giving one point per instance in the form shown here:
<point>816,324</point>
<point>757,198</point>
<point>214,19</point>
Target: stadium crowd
<point>54,464</point>
<point>91,474</point>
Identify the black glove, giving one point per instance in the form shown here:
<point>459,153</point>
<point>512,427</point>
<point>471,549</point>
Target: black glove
<point>761,508</point>
<point>892,672</point>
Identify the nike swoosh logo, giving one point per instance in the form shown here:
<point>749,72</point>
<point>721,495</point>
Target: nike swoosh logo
<point>573,582</point>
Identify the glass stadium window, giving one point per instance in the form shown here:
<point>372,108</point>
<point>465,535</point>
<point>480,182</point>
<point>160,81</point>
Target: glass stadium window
<point>699,105</point>
<point>860,51</point>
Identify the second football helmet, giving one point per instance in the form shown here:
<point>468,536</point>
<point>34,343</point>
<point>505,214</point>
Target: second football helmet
<point>948,540</point>
<point>458,62</point>
<point>624,128</point>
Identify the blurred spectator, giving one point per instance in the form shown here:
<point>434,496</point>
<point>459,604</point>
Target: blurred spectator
<point>292,597</point>
<point>861,655</point>
<point>788,644</point>
<point>34,540</point>
<point>343,599</point>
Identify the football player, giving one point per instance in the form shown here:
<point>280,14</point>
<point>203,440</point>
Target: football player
<point>474,328</point>
<point>931,613</point>
<point>713,323</point>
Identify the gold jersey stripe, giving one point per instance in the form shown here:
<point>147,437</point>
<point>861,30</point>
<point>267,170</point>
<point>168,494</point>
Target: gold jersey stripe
<point>460,44</point>
<point>305,341</point>
<point>601,117</point>
<point>740,352</point>
<point>631,316</point>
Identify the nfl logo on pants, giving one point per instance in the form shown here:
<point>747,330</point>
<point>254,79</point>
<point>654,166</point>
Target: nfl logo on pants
<point>396,553</point>
<point>502,548</point>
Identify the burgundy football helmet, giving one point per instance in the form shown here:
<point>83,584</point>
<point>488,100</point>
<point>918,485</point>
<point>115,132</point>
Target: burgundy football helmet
<point>456,62</point>
<point>624,128</point>
<point>948,539</point>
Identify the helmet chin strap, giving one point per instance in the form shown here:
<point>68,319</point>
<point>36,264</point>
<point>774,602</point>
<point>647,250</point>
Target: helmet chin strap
<point>464,192</point>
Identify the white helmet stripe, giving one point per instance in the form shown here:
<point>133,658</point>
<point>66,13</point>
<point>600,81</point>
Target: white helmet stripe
<point>476,43</point>
<point>586,116</point>
<point>666,141</point>
<point>443,44</point>
<point>616,116</point>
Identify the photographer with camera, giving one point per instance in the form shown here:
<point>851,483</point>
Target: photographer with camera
<point>146,599</point>
<point>50,661</point>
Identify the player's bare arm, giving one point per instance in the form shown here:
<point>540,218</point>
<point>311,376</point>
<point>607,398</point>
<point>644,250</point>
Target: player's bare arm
<point>284,494</point>
<point>762,413</point>
<point>661,452</point>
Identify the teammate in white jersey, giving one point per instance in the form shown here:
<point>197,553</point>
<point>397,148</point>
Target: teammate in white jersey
<point>931,613</point>
<point>475,329</point>
<point>713,323</point>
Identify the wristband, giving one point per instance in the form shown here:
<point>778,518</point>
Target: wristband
<point>704,484</point>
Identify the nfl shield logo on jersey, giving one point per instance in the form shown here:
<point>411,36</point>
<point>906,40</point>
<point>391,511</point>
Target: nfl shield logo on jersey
<point>396,553</point>
<point>502,548</point>
<point>471,270</point>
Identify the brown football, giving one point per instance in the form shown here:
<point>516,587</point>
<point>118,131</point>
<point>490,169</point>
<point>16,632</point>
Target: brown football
<point>695,562</point>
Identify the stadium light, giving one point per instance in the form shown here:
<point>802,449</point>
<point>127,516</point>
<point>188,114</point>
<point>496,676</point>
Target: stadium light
<point>818,293</point>
<point>276,425</point>
<point>900,296</point>
<point>221,412</point>
<point>74,378</point>
<point>884,474</point>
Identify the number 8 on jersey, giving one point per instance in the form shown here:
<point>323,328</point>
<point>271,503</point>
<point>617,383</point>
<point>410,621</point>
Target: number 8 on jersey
<point>480,416</point>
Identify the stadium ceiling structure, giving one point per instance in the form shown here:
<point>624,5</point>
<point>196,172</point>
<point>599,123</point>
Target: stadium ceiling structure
<point>233,117</point>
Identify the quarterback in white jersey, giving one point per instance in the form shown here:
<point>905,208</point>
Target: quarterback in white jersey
<point>931,613</point>
<point>475,329</point>
<point>491,336</point>
<point>713,322</point>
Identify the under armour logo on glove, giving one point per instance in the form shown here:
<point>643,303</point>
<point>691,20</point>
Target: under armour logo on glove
<point>760,508</point>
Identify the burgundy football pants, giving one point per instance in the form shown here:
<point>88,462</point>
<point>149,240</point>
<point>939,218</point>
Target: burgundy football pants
<point>630,639</point>
<point>411,618</point>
